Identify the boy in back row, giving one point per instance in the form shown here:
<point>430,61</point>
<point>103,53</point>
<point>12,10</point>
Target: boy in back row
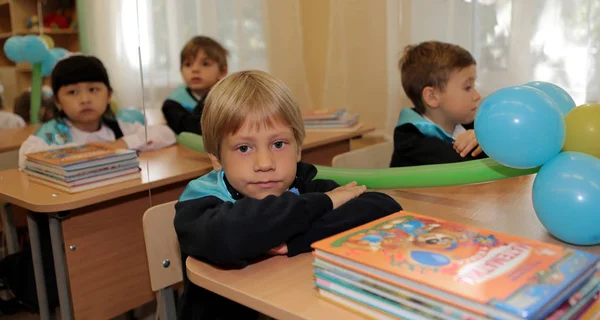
<point>203,62</point>
<point>439,79</point>
<point>259,200</point>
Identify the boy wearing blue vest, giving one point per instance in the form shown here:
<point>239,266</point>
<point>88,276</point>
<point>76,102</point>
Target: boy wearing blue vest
<point>260,199</point>
<point>203,63</point>
<point>439,79</point>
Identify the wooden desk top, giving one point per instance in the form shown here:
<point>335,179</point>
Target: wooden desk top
<point>11,139</point>
<point>315,139</point>
<point>159,168</point>
<point>283,288</point>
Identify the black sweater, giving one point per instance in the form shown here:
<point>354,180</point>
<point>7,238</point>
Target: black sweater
<point>180,119</point>
<point>233,235</point>
<point>413,148</point>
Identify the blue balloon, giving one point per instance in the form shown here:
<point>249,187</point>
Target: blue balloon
<point>432,259</point>
<point>131,115</point>
<point>59,52</point>
<point>561,97</point>
<point>520,127</point>
<point>566,197</point>
<point>34,49</point>
<point>13,48</point>
<point>48,64</point>
<point>51,60</point>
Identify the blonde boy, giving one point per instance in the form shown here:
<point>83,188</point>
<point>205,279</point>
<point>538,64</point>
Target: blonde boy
<point>259,200</point>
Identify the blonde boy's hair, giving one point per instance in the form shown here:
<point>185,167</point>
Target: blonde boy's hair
<point>253,96</point>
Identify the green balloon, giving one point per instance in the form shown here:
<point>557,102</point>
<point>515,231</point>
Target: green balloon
<point>191,141</point>
<point>439,175</point>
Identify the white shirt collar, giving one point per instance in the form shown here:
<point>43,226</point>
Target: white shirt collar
<point>458,129</point>
<point>79,136</point>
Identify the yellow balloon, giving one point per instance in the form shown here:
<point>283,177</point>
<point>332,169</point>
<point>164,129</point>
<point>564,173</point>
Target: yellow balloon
<point>583,130</point>
<point>114,107</point>
<point>48,40</point>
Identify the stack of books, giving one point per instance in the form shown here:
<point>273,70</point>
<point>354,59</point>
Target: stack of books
<point>83,167</point>
<point>411,266</point>
<point>330,119</point>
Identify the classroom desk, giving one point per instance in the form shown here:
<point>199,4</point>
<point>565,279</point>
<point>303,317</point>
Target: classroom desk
<point>283,288</point>
<point>10,142</point>
<point>97,236</point>
<point>320,147</point>
<point>11,139</point>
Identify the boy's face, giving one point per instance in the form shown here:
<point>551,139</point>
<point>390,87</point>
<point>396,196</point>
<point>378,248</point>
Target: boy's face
<point>83,102</point>
<point>259,161</point>
<point>200,73</point>
<point>459,100</point>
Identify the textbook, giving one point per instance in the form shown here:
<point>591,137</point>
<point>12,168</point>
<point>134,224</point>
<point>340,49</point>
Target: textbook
<point>473,271</point>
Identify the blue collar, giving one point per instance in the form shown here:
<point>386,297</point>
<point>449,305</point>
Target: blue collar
<point>426,127</point>
<point>213,184</point>
<point>55,132</point>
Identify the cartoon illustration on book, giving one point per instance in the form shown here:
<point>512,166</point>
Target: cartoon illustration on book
<point>514,274</point>
<point>371,240</point>
<point>428,243</point>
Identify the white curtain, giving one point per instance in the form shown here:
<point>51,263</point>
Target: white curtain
<point>517,41</point>
<point>151,34</point>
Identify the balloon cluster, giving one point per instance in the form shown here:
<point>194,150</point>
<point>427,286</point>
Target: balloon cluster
<point>538,124</point>
<point>35,50</point>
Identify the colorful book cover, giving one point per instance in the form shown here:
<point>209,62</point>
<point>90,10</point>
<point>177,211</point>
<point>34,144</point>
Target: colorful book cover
<point>77,154</point>
<point>322,114</point>
<point>88,180</point>
<point>578,301</point>
<point>518,277</point>
<point>346,120</point>
<point>393,293</point>
<point>593,310</point>
<point>85,175</point>
<point>372,301</point>
<point>394,299</point>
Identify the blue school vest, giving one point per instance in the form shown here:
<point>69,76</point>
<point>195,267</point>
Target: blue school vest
<point>427,128</point>
<point>182,96</point>
<point>54,132</point>
<point>211,185</point>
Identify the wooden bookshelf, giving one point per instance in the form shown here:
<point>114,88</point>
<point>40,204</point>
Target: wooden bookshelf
<point>16,77</point>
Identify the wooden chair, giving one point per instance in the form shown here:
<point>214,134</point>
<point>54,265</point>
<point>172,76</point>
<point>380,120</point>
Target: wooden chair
<point>371,157</point>
<point>164,259</point>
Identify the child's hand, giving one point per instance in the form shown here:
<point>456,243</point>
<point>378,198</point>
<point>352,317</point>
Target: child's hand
<point>465,142</point>
<point>279,250</point>
<point>345,193</point>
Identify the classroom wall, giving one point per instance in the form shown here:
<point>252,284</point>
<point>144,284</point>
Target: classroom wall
<point>341,54</point>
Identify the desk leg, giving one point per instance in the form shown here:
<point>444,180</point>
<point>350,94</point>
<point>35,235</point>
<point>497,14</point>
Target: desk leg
<point>60,267</point>
<point>166,304</point>
<point>38,266</point>
<point>10,232</point>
